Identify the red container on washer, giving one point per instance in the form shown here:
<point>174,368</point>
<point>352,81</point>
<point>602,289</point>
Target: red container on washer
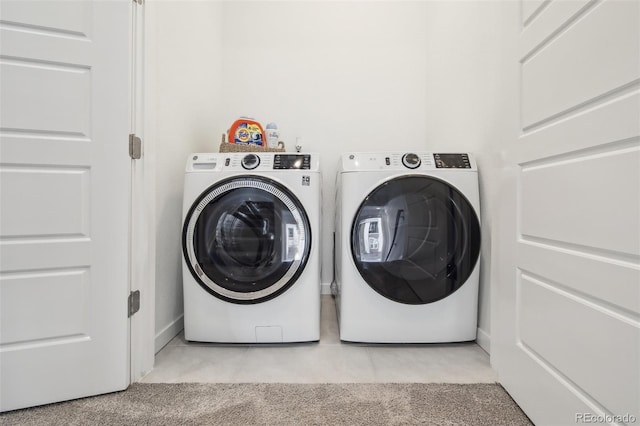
<point>246,131</point>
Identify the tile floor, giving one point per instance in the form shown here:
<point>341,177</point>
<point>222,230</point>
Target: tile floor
<point>326,361</point>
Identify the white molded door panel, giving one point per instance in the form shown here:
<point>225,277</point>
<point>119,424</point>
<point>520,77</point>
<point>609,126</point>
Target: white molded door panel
<point>64,193</point>
<point>566,325</point>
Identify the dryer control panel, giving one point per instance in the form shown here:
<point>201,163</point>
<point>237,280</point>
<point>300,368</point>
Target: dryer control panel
<point>406,161</point>
<point>452,161</point>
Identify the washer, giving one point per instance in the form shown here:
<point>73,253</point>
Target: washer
<point>251,253</point>
<point>407,247</point>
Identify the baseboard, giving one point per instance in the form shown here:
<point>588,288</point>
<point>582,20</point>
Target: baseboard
<point>168,333</point>
<point>325,288</point>
<point>483,340</point>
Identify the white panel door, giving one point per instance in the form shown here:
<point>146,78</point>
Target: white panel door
<point>64,194</point>
<point>567,304</point>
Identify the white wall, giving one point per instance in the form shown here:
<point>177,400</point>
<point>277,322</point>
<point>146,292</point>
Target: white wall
<point>183,104</point>
<point>344,76</point>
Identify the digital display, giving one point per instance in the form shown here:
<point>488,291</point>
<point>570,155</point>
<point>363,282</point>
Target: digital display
<point>291,161</point>
<point>452,161</point>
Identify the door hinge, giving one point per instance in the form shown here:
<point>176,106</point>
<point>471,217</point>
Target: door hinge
<point>134,302</point>
<point>135,147</point>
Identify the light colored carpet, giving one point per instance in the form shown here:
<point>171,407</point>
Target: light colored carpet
<point>284,404</point>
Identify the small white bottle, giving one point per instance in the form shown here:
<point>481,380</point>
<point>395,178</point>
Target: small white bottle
<point>272,135</point>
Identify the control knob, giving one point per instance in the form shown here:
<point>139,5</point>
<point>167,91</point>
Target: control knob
<point>411,161</point>
<point>250,161</point>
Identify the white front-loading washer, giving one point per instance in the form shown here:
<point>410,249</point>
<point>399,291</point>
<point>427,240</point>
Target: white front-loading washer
<point>251,247</point>
<point>407,247</point>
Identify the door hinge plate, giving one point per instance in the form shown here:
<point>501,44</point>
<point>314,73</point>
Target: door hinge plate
<point>134,302</point>
<point>135,147</point>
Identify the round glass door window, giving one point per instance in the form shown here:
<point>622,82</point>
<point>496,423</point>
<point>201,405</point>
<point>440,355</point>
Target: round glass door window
<point>415,239</point>
<point>246,239</point>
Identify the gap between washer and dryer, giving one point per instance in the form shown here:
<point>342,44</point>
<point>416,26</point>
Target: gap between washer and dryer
<point>326,361</point>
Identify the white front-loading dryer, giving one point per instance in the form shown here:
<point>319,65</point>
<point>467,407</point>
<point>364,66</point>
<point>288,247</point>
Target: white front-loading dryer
<point>251,247</point>
<point>407,247</point>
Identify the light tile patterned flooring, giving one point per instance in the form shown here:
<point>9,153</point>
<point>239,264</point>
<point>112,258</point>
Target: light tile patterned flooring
<point>326,361</point>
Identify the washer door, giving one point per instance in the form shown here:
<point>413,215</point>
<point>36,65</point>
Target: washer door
<point>415,239</point>
<point>246,239</point>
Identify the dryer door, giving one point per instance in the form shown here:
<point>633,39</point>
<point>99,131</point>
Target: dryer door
<point>246,239</point>
<point>415,239</point>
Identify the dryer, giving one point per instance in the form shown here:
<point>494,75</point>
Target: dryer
<point>251,253</point>
<point>407,247</point>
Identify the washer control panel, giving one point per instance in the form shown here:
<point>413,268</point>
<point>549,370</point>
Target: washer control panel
<point>291,161</point>
<point>253,161</point>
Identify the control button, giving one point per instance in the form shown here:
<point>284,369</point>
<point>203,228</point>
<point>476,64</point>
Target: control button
<point>387,161</point>
<point>227,161</point>
<point>250,161</point>
<point>411,161</point>
<point>306,162</point>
